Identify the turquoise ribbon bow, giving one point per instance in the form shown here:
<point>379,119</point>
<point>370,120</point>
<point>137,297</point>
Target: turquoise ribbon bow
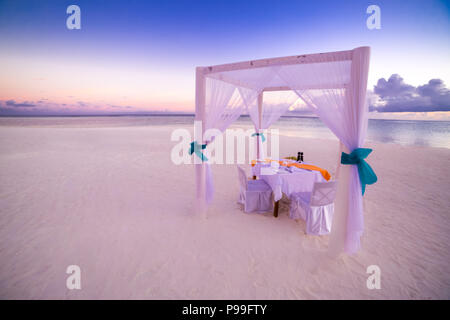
<point>197,149</point>
<point>366,174</point>
<point>263,138</point>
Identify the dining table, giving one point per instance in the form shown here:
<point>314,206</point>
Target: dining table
<point>286,180</point>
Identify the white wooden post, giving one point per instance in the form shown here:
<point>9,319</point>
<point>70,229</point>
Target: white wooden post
<point>355,98</point>
<point>260,105</point>
<point>339,229</point>
<point>198,136</point>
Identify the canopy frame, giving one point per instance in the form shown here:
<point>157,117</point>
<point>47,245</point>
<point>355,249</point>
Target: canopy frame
<point>344,174</point>
<point>297,59</point>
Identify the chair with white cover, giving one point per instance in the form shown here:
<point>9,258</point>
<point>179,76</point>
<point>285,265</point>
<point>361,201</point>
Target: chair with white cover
<point>316,207</point>
<point>255,195</point>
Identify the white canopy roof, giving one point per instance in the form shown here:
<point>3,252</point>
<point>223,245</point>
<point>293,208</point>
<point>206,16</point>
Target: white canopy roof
<point>265,73</point>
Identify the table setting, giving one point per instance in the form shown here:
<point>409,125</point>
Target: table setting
<point>286,176</point>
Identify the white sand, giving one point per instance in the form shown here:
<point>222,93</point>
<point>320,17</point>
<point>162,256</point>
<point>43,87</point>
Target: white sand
<point>111,201</point>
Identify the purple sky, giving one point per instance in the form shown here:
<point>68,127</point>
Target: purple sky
<point>139,56</point>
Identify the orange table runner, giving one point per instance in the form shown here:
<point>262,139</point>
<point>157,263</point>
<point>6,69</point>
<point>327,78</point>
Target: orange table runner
<point>325,173</point>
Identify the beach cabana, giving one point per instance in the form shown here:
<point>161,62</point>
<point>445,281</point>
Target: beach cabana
<point>332,85</point>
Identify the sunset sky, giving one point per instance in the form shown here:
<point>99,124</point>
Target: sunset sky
<point>132,56</point>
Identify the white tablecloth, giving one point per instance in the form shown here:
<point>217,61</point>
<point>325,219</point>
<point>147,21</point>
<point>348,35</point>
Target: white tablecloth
<point>300,180</point>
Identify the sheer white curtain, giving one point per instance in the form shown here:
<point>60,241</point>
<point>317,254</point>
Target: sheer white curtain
<point>274,105</point>
<point>251,99</point>
<point>336,92</point>
<point>255,81</point>
<point>356,115</point>
<point>223,106</point>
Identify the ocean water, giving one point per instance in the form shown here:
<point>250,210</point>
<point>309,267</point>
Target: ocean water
<point>403,132</point>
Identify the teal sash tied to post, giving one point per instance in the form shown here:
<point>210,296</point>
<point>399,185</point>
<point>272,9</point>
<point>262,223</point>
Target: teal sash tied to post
<point>356,157</point>
<point>263,138</point>
<point>197,149</point>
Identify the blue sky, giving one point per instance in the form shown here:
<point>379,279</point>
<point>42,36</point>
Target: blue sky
<point>141,55</point>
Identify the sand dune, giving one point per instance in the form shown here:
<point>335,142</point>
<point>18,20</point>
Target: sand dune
<point>111,201</point>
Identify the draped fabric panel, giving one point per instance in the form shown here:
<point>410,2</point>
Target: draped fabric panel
<point>344,111</point>
<point>250,95</point>
<point>223,106</point>
<point>356,114</point>
<point>275,104</point>
<point>272,109</point>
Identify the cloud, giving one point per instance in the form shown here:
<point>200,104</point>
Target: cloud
<point>44,106</point>
<point>394,95</point>
<point>12,103</point>
<point>121,107</point>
